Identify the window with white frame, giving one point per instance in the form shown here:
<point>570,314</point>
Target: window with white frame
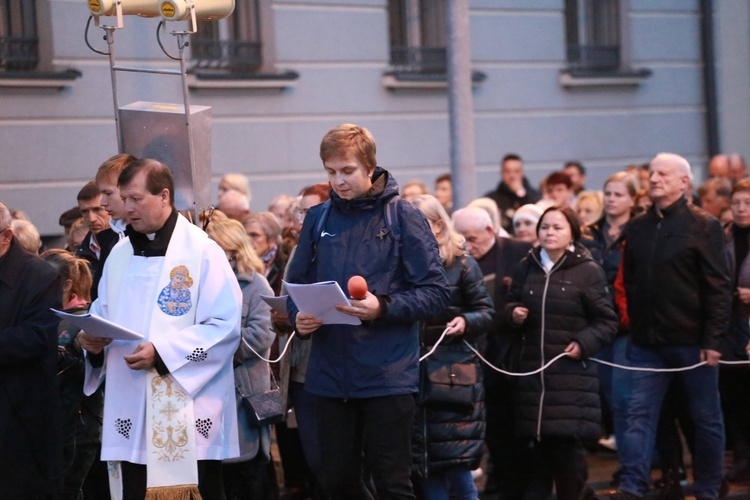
<point>418,36</point>
<point>593,35</point>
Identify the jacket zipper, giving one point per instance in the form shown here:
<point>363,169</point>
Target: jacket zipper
<point>652,255</point>
<point>547,277</point>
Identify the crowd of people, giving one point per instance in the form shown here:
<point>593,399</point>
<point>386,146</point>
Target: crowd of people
<point>491,338</point>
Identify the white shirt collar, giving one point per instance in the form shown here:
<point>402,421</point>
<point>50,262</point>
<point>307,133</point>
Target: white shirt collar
<point>118,226</point>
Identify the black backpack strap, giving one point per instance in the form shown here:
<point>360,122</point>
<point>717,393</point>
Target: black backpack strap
<point>392,222</point>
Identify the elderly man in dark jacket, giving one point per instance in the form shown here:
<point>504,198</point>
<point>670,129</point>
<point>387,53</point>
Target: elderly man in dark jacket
<point>364,377</point>
<point>30,448</point>
<point>679,302</point>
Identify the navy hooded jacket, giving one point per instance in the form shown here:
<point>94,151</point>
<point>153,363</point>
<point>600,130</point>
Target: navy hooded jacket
<point>379,357</point>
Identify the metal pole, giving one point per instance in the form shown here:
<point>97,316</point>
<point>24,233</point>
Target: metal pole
<point>709,78</point>
<point>460,104</point>
<point>181,43</point>
<point>110,31</point>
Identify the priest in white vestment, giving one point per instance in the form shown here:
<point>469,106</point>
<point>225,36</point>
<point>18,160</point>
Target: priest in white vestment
<point>169,408</point>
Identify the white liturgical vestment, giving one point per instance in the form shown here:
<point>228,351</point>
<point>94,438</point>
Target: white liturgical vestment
<point>193,280</point>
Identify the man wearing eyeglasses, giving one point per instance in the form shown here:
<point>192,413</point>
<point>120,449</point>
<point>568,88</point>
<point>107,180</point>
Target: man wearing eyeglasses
<point>30,451</point>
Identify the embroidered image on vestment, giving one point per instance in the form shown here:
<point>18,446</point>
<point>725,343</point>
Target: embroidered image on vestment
<point>169,429</point>
<point>174,299</point>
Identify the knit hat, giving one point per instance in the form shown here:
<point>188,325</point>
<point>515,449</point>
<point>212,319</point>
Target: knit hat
<point>528,212</point>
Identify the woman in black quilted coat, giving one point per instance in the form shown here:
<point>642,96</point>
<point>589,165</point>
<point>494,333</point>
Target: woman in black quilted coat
<point>449,424</point>
<point>559,303</point>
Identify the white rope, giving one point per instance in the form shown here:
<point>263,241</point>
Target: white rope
<point>740,362</point>
<point>280,355</point>
<point>538,370</point>
<point>524,374</point>
<point>442,336</point>
<point>642,369</point>
<point>615,365</point>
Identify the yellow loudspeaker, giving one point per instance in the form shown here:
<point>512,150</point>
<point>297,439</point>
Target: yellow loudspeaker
<point>205,10</point>
<point>143,8</point>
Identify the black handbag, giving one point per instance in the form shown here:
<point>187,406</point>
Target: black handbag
<point>449,378</point>
<point>267,407</point>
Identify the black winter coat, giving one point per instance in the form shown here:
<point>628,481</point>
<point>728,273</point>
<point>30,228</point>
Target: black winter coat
<point>30,451</point>
<point>446,437</point>
<point>676,277</point>
<point>571,303</point>
<point>737,337</point>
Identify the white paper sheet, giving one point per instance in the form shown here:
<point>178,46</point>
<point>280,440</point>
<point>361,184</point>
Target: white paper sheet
<point>278,304</point>
<point>99,327</point>
<point>319,300</point>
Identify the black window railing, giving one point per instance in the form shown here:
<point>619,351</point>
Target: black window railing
<point>594,57</point>
<point>419,59</point>
<point>18,53</point>
<point>235,56</point>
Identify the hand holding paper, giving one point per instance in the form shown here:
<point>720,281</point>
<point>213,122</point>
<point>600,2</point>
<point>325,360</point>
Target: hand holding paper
<point>366,309</point>
<point>306,323</point>
<point>319,301</point>
<point>92,343</point>
<point>278,304</point>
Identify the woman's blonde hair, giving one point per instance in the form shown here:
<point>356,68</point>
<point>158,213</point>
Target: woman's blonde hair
<point>71,268</point>
<point>628,179</point>
<point>230,235</point>
<point>27,235</point>
<point>450,243</point>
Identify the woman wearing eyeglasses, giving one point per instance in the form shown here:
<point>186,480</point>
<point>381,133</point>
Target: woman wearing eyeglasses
<point>244,477</point>
<point>734,380</point>
<point>448,437</point>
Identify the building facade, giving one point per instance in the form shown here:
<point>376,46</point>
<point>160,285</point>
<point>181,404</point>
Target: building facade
<point>606,82</point>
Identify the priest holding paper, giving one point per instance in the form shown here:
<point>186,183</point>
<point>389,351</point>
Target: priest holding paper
<point>169,409</point>
<point>364,377</point>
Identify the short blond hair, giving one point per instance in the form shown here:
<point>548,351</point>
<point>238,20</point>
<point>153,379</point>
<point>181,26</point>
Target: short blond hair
<point>349,140</point>
<point>110,170</point>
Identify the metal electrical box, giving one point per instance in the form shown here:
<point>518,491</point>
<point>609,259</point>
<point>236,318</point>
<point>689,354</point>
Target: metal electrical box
<point>160,131</point>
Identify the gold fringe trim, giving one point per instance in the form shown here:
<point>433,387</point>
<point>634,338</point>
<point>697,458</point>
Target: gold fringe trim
<point>181,492</point>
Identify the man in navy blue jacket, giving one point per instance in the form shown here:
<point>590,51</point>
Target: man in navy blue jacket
<point>364,377</point>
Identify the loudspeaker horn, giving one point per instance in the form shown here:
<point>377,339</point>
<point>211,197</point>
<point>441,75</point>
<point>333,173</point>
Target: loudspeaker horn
<point>205,10</point>
<point>143,8</point>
